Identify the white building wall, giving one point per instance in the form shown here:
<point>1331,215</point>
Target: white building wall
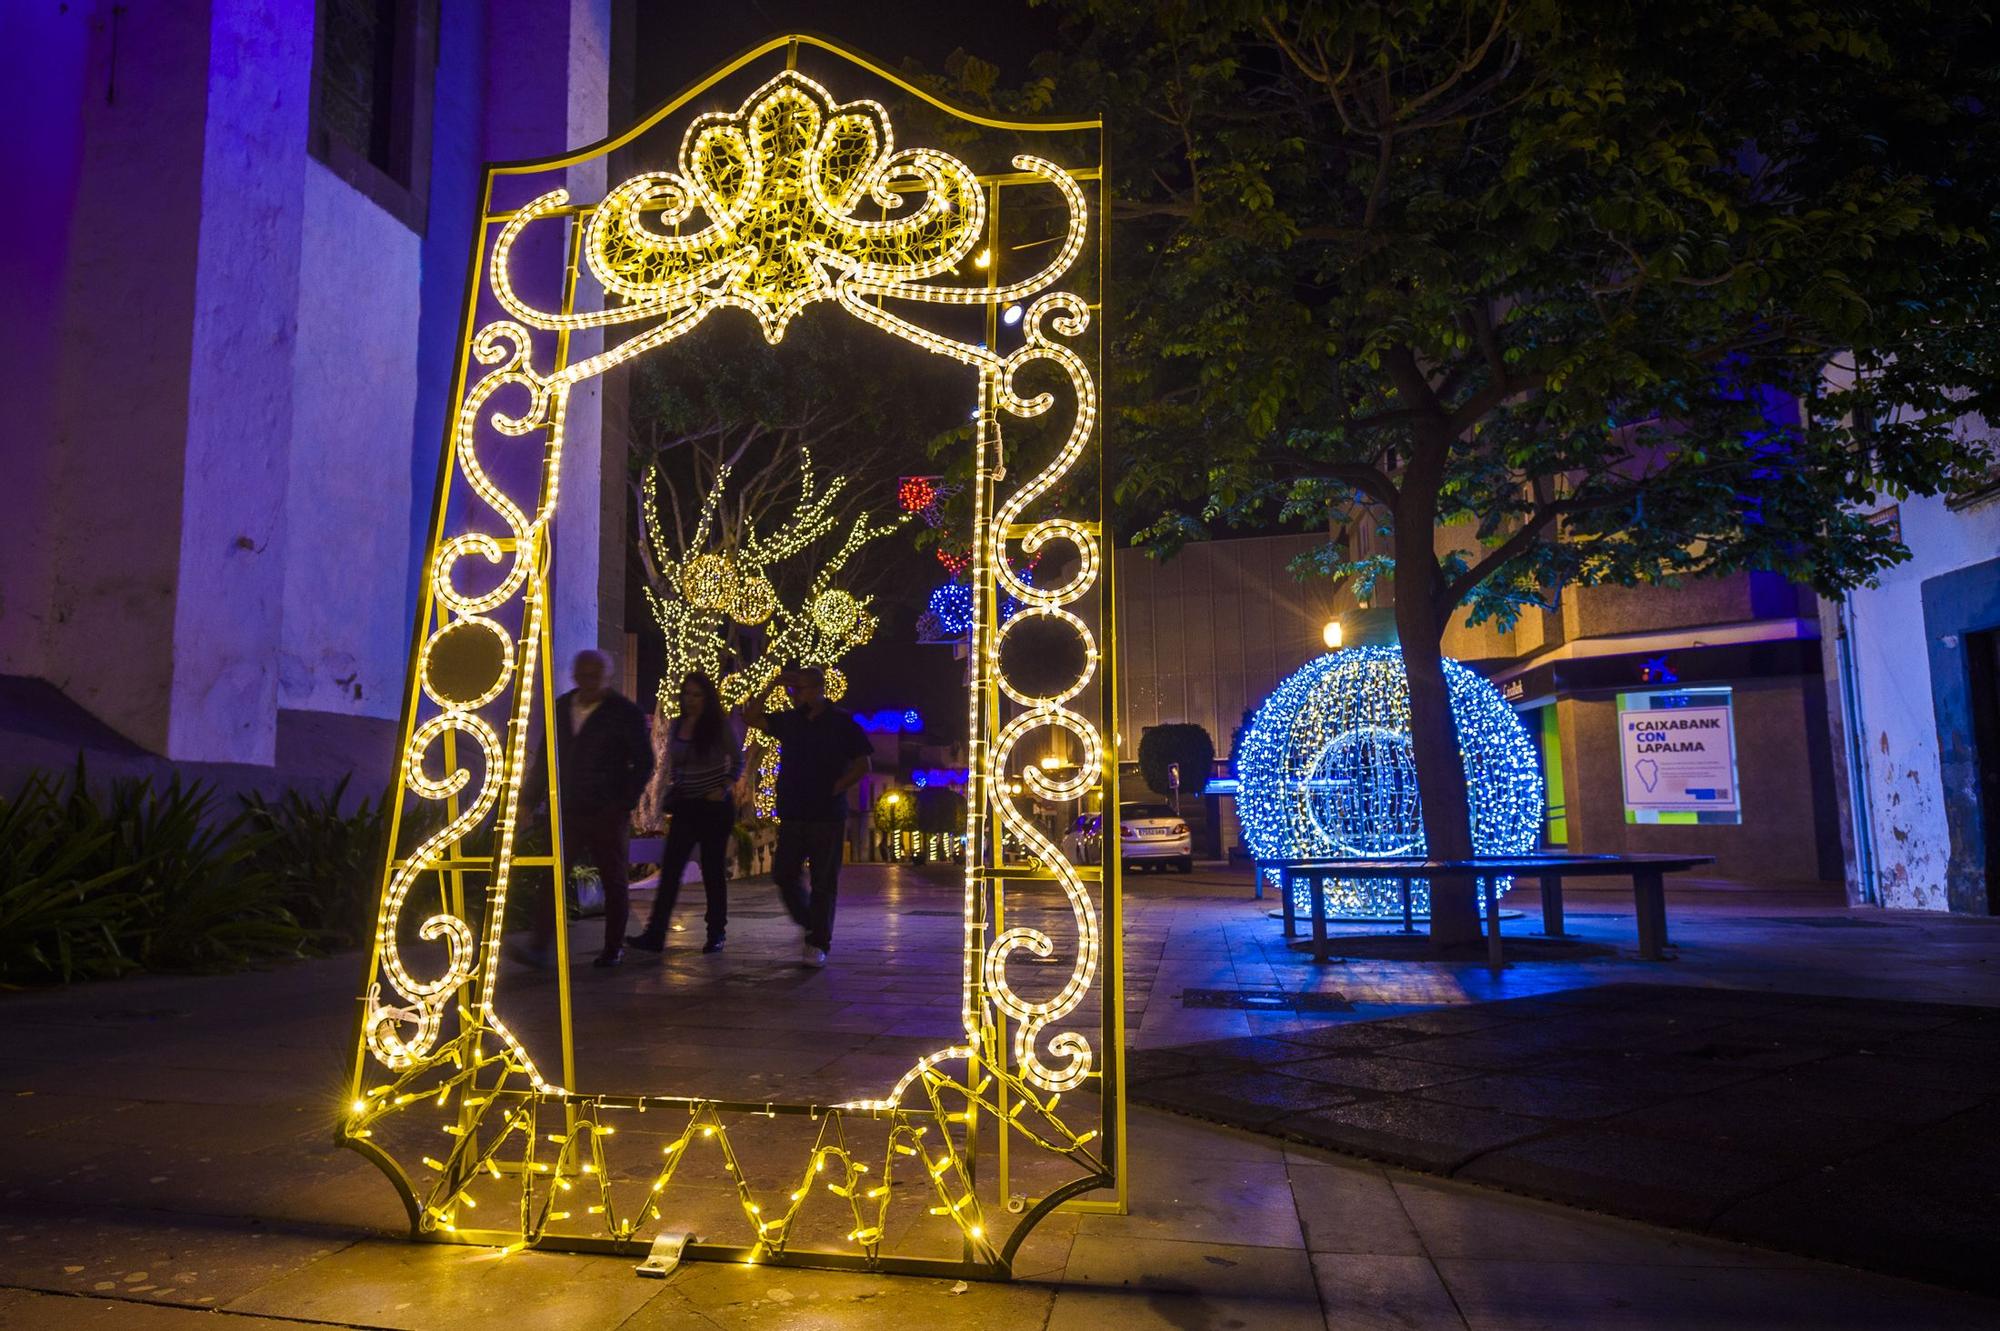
<point>1896,724</point>
<point>230,590</point>
<point>354,391</point>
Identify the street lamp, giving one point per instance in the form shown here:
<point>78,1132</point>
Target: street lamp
<point>1331,635</point>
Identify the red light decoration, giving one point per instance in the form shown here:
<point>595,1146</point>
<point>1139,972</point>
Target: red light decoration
<point>916,493</point>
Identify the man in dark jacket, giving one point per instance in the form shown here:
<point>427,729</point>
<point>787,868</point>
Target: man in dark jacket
<point>603,761</point>
<point>822,753</point>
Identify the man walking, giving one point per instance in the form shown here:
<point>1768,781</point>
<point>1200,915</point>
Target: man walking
<point>822,753</point>
<point>603,761</point>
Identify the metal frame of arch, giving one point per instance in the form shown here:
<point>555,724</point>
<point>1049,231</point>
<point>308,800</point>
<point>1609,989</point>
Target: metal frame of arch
<point>783,196</point>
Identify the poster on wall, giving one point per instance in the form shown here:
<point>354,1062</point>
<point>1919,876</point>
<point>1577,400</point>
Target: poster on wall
<point>1679,760</point>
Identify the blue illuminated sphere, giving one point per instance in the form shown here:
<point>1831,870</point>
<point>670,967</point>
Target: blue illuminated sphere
<point>952,604</point>
<point>1327,770</point>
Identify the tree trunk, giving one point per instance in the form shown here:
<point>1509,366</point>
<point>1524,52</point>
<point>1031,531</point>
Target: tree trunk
<point>1440,766</point>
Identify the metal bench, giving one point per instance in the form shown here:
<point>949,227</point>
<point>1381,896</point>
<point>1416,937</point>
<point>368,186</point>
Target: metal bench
<point>1647,872</point>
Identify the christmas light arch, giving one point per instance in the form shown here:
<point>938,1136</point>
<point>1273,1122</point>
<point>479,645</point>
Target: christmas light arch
<point>781,198</point>
<point>1326,770</point>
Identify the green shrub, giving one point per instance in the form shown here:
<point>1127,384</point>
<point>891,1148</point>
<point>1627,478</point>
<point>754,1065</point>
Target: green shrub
<point>325,863</point>
<point>1183,743</point>
<point>62,915</point>
<point>132,875</point>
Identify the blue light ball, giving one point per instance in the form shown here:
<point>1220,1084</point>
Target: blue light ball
<point>1327,770</point>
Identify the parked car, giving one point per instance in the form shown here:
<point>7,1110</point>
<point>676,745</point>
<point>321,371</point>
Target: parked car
<point>1148,834</point>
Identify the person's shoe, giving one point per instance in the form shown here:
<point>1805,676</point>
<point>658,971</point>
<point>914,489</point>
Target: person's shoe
<point>606,960</point>
<point>712,945</point>
<point>646,942</point>
<point>812,956</point>
<point>541,958</point>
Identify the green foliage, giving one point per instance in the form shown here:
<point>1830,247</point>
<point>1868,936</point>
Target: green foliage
<point>132,875</point>
<point>1557,271</point>
<point>323,860</point>
<point>61,915</point>
<point>1183,743</point>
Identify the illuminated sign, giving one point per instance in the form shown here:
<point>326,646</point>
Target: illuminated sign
<point>1679,759</point>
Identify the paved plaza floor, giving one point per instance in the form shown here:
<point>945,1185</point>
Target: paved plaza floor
<point>167,1151</point>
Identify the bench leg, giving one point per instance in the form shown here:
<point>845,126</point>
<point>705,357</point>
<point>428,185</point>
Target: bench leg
<point>1319,919</point>
<point>1552,905</point>
<point>1493,955</point>
<point>1649,894</point>
<point>1409,920</point>
<point>1285,891</point>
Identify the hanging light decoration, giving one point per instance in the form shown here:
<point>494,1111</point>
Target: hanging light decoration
<point>1327,770</point>
<point>836,612</point>
<point>756,600</point>
<point>952,604</point>
<point>709,581</point>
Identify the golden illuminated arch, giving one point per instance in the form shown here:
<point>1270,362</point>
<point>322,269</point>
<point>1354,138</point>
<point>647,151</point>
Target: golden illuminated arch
<point>790,197</point>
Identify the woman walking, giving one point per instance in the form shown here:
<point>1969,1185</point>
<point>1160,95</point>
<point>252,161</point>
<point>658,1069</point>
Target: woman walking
<point>704,760</point>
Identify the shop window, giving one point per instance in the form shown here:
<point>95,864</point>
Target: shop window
<point>373,62</point>
<point>1677,749</point>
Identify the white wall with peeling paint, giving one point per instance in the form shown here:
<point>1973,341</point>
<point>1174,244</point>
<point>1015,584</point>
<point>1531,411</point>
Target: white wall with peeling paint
<point>1893,718</point>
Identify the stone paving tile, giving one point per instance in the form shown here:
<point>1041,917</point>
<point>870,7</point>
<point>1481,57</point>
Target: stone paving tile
<point>1667,1182</point>
<point>1383,1293</point>
<point>29,1311</point>
<point>1450,1021</point>
<point>1381,1072</point>
<point>1407,1131</point>
<point>444,1287</point>
<point>1203,1200</point>
<point>1735,1122</point>
<point>1351,1207</point>
<point>1542,1296</point>
<point>1455,1219</point>
<point>1980,1077</point>
<point>1923,1205</point>
<point>1160,1140</point>
<point>1662,1075</point>
<point>193,1261</point>
<point>1814,1089</point>
<point>1497,1049</point>
<point>1537,1097</point>
<point>708,1295</point>
<point>1143,1065</point>
<point>1254,1050</point>
<point>1163,1285</point>
<point>1347,1035</point>
<point>1249,1099</point>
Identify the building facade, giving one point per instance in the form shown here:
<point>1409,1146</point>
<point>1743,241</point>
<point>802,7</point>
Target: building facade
<point>236,289</point>
<point>1207,635</point>
<point>1914,661</point>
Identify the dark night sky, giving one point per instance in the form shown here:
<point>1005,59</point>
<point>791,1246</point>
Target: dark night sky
<point>678,44</point>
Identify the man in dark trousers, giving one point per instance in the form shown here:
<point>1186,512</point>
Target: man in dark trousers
<point>603,761</point>
<point>822,753</point>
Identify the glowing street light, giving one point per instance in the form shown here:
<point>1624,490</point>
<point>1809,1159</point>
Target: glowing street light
<point>1331,635</point>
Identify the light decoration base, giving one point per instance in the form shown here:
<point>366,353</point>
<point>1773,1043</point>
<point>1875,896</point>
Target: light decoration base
<point>791,199</point>
<point>1326,770</point>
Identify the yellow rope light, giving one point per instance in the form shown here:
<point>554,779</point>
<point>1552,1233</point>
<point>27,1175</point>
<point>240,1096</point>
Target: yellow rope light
<point>791,199</point>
